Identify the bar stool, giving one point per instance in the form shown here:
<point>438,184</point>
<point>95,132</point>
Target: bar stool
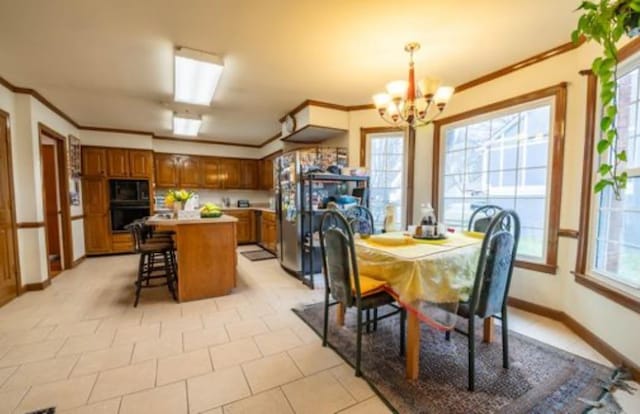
<point>156,262</point>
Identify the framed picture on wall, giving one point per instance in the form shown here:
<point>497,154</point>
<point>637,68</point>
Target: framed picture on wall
<point>75,161</point>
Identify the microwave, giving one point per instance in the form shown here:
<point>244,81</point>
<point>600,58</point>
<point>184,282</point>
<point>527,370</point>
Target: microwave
<point>128,191</point>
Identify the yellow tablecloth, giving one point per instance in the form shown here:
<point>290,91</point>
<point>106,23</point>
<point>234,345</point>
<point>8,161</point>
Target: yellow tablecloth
<point>439,272</point>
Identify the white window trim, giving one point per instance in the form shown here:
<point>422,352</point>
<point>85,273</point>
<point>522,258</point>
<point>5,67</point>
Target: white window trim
<point>405,167</point>
<point>591,271</point>
<point>495,114</point>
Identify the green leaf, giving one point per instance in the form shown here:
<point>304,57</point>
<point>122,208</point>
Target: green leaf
<point>604,169</point>
<point>601,185</point>
<point>612,111</point>
<point>606,97</point>
<point>595,66</point>
<point>603,145</point>
<point>575,37</point>
<point>611,134</point>
<point>605,123</point>
<point>622,156</point>
<point>587,5</point>
<point>635,6</point>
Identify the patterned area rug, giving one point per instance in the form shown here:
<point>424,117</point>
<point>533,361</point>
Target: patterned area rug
<point>257,255</point>
<point>541,379</point>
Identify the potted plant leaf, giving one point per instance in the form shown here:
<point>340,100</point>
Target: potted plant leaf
<point>606,22</point>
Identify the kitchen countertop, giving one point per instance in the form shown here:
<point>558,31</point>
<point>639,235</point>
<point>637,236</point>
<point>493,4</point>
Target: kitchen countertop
<point>157,221</point>
<point>264,209</point>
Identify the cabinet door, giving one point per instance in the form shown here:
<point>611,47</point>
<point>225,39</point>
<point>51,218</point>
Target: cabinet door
<point>190,172</point>
<point>140,163</point>
<point>244,227</point>
<point>94,163</point>
<point>117,162</point>
<point>249,174</point>
<point>230,170</point>
<point>211,176</point>
<point>265,173</point>
<point>97,237</point>
<point>94,195</point>
<point>166,170</point>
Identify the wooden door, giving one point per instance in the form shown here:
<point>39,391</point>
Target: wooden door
<point>140,164</point>
<point>117,162</point>
<point>52,209</point>
<point>166,170</point>
<point>190,172</point>
<point>8,264</point>
<point>97,235</point>
<point>230,169</point>
<point>249,174</point>
<point>94,162</point>
<point>211,177</point>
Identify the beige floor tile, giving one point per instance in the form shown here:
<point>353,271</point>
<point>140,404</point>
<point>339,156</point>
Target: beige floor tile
<point>552,332</point>
<point>131,334</point>
<point>306,334</point>
<point>63,395</point>
<point>255,310</point>
<point>21,354</point>
<point>102,360</point>
<point>370,406</point>
<point>28,336</point>
<point>281,320</point>
<point>112,324</point>
<point>234,353</point>
<point>6,373</point>
<point>170,344</point>
<point>275,342</point>
<point>267,402</point>
<point>356,386</point>
<point>189,323</point>
<point>41,372</point>
<point>204,338</point>
<point>10,399</point>
<point>216,389</point>
<point>198,307</point>
<point>170,399</point>
<point>231,301</point>
<point>82,328</point>
<point>312,358</point>
<point>213,411</point>
<point>219,318</point>
<point>245,329</point>
<point>318,394</point>
<point>160,313</point>
<point>183,366</point>
<point>102,407</point>
<point>88,343</point>
<point>125,380</point>
<point>270,372</point>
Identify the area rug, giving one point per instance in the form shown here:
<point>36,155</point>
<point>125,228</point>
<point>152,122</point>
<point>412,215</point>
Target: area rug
<point>257,255</point>
<point>541,379</point>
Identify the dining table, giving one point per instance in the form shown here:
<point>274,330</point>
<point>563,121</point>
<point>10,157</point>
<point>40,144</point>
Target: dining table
<point>429,278</point>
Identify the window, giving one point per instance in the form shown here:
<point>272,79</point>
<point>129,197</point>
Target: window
<point>616,248</point>
<point>508,154</point>
<point>386,161</point>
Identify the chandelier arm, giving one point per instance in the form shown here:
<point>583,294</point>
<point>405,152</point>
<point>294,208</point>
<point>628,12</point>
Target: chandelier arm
<point>389,121</point>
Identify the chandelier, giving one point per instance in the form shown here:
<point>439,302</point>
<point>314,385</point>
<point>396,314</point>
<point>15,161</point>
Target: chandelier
<point>408,104</point>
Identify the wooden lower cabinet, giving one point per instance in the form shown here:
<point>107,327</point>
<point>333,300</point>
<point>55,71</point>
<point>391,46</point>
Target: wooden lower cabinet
<point>268,233</point>
<point>97,235</point>
<point>121,243</point>
<point>245,227</point>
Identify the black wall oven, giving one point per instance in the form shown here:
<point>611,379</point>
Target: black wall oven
<point>129,201</point>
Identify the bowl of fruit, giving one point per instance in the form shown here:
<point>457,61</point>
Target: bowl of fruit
<point>210,210</point>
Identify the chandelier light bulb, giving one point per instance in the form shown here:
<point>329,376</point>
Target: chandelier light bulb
<point>428,86</point>
<point>381,100</point>
<point>443,94</point>
<point>397,89</point>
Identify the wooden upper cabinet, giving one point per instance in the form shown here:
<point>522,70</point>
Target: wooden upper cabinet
<point>265,174</point>
<point>94,195</point>
<point>140,163</point>
<point>249,174</point>
<point>211,174</point>
<point>166,170</point>
<point>190,172</point>
<point>230,169</point>
<point>94,162</point>
<point>117,162</point>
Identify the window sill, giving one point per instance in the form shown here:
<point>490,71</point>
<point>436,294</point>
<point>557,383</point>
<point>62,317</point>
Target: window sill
<point>537,267</point>
<point>619,296</point>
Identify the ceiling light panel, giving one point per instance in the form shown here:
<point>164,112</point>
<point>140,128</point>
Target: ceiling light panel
<point>187,126</point>
<point>196,76</point>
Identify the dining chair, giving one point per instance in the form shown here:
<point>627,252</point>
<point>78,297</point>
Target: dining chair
<point>360,220</point>
<point>346,286</point>
<point>491,286</point>
<point>482,216</point>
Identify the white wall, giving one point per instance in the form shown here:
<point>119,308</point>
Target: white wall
<point>118,140</point>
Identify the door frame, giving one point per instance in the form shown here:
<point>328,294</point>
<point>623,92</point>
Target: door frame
<point>14,222</point>
<point>63,192</point>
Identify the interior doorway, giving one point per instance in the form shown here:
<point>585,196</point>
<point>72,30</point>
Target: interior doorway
<point>56,210</point>
<point>9,274</point>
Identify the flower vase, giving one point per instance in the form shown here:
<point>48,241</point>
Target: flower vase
<point>177,206</point>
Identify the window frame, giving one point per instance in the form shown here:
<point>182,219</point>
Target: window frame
<point>582,274</point>
<point>558,95</point>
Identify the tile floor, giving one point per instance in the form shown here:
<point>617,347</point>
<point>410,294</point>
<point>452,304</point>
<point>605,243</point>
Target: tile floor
<point>81,346</point>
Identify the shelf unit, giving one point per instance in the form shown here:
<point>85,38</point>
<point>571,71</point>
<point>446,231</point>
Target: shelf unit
<point>310,218</point>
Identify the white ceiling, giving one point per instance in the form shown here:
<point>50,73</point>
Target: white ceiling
<point>110,63</point>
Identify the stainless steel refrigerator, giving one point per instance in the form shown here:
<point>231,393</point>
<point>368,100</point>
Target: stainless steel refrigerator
<point>291,165</point>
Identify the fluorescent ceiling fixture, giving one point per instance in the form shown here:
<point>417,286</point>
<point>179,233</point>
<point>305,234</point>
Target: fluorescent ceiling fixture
<point>186,125</point>
<point>196,76</point>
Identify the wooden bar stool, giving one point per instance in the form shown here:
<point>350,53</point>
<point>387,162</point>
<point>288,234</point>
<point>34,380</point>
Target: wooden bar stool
<point>156,262</point>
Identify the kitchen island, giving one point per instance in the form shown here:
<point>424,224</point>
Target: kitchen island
<point>206,255</point>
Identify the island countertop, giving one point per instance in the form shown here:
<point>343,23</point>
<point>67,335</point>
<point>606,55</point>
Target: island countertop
<point>158,221</point>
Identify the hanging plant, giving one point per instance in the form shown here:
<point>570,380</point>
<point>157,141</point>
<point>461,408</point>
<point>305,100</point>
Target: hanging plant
<point>605,22</point>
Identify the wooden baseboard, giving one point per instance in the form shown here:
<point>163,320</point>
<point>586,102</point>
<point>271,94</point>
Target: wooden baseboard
<point>78,261</point>
<point>29,287</point>
<point>589,337</point>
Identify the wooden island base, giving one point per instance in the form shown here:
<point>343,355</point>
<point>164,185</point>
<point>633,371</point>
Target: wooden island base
<point>206,255</point>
